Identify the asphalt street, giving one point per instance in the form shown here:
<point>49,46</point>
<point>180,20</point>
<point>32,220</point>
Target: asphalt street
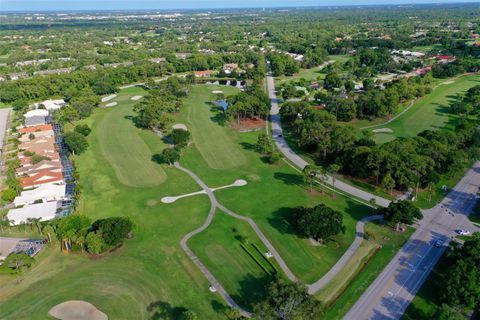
<point>390,294</point>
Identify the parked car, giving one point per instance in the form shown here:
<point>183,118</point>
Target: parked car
<point>463,232</point>
<point>439,243</point>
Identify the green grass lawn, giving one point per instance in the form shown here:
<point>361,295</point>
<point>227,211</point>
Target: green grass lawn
<point>430,112</point>
<point>149,269</point>
<point>219,249</point>
<point>390,242</point>
<point>215,145</point>
<point>271,192</point>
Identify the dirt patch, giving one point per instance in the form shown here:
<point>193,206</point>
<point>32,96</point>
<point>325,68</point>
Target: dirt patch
<point>253,177</point>
<point>248,125</point>
<point>152,202</point>
<point>77,310</point>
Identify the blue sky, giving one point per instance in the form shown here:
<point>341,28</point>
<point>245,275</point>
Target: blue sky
<point>58,5</point>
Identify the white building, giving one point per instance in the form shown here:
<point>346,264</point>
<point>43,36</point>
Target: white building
<point>43,211</point>
<point>35,117</point>
<point>45,193</point>
<point>51,105</point>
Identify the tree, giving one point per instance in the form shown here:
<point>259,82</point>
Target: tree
<point>332,80</point>
<point>402,211</point>
<point>8,195</point>
<point>67,114</point>
<point>287,301</point>
<point>114,229</point>
<point>320,222</point>
<point>264,144</point>
<point>445,312</point>
<point>333,170</point>
<point>170,155</point>
<point>76,142</point>
<point>94,243</point>
<point>83,129</point>
<point>388,182</point>
<point>188,315</point>
<point>309,175</point>
<point>18,261</point>
<point>462,277</point>
<point>234,314</point>
<point>179,137</point>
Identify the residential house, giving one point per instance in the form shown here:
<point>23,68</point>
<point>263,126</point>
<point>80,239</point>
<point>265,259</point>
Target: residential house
<point>204,74</point>
<point>53,166</point>
<point>44,193</point>
<point>35,117</point>
<point>51,105</point>
<point>17,75</point>
<point>43,211</point>
<point>45,130</point>
<point>41,178</point>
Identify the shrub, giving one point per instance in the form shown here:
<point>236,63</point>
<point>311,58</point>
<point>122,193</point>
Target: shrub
<point>113,230</point>
<point>180,137</point>
<point>83,129</point>
<point>94,243</point>
<point>8,195</point>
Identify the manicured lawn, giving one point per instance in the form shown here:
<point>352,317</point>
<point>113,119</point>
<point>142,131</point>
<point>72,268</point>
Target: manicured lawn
<point>271,192</point>
<point>307,74</point>
<point>118,137</point>
<point>213,142</point>
<point>220,250</point>
<point>150,268</point>
<point>390,242</point>
<point>430,112</point>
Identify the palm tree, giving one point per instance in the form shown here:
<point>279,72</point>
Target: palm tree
<point>333,170</point>
<point>309,175</point>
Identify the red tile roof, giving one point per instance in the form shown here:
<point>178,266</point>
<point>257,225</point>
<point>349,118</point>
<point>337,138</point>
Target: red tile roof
<point>42,177</point>
<point>41,127</point>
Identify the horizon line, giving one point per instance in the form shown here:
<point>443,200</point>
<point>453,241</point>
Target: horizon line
<point>246,8</point>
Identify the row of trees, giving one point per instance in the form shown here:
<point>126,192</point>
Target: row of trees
<point>374,102</point>
<point>77,232</point>
<point>252,103</point>
<point>467,104</point>
<point>402,163</point>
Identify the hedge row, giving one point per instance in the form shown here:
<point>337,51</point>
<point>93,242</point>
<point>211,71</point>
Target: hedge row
<point>274,268</point>
<point>255,259</point>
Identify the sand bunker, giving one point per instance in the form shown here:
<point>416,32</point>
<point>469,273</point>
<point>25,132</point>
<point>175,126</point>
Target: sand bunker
<point>448,82</point>
<point>383,130</point>
<point>108,98</point>
<point>217,91</point>
<point>135,98</point>
<point>77,310</point>
<point>180,126</point>
<point>111,104</point>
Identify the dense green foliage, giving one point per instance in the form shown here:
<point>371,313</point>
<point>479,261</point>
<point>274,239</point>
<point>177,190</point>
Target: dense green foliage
<point>287,301</point>
<point>402,211</point>
<point>320,222</point>
<point>76,142</point>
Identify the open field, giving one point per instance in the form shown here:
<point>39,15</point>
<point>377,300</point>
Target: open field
<point>215,145</point>
<point>219,248</point>
<point>271,192</point>
<point>149,269</point>
<point>430,112</point>
<point>117,138</point>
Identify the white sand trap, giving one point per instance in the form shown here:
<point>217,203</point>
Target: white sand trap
<point>217,91</point>
<point>448,82</point>
<point>77,310</point>
<point>111,104</point>
<point>108,98</point>
<point>383,130</point>
<point>180,126</point>
<point>135,98</point>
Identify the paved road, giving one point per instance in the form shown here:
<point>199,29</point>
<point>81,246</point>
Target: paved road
<point>3,125</point>
<point>282,145</point>
<point>394,289</point>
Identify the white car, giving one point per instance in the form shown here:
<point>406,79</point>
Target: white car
<point>439,243</point>
<point>463,232</point>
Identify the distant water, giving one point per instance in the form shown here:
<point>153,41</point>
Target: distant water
<point>222,104</point>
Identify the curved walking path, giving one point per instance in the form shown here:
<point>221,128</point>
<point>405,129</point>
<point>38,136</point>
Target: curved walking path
<point>359,237</point>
